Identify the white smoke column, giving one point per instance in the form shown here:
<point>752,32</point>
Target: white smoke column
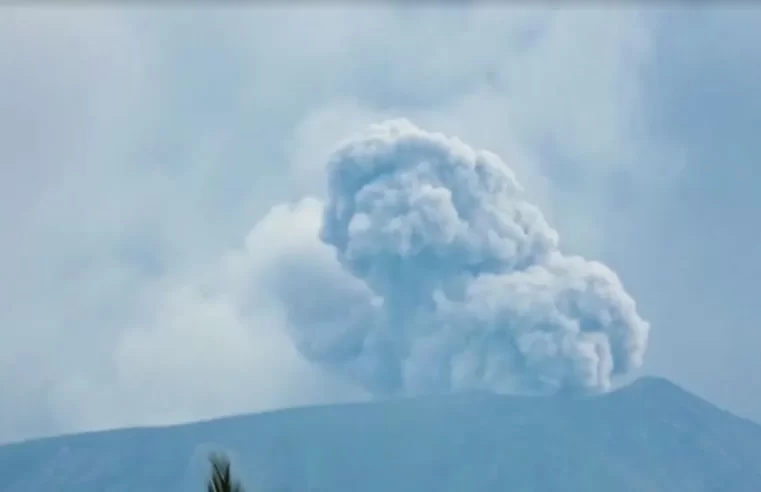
<point>440,277</point>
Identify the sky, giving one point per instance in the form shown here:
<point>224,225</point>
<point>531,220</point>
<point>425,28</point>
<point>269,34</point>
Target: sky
<point>151,161</point>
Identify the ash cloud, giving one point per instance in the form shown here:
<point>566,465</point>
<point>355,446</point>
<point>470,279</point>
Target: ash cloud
<point>433,274</point>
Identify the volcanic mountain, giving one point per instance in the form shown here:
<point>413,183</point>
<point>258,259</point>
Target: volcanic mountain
<point>648,436</point>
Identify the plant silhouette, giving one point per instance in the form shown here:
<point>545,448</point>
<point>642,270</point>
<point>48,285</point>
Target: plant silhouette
<point>221,479</point>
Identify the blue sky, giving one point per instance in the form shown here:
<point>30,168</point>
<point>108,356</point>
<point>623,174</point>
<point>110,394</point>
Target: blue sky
<point>140,148</point>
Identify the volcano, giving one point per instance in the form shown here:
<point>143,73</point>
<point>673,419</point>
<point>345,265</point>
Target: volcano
<point>648,436</point>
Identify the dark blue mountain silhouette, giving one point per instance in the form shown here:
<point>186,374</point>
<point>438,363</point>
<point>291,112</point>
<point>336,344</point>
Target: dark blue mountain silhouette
<point>649,436</point>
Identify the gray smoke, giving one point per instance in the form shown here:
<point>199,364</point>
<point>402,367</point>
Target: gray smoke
<point>441,277</point>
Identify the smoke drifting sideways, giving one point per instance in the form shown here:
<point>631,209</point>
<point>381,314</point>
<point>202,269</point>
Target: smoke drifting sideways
<point>425,271</point>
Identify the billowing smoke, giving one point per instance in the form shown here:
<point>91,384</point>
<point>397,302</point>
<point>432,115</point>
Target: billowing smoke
<point>434,274</point>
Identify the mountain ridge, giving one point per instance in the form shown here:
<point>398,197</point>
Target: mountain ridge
<point>636,385</point>
<point>649,435</point>
<point>651,381</point>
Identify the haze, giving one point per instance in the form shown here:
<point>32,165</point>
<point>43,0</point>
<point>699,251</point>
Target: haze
<point>152,164</point>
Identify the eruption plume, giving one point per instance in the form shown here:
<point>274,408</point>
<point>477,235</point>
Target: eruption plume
<point>433,274</point>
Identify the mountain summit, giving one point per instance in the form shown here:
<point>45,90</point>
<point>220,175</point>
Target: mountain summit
<point>648,436</point>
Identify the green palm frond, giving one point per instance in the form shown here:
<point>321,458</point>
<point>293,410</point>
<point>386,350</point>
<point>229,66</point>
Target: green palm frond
<point>221,480</point>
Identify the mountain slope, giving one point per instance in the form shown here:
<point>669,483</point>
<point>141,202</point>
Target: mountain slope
<point>650,436</point>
